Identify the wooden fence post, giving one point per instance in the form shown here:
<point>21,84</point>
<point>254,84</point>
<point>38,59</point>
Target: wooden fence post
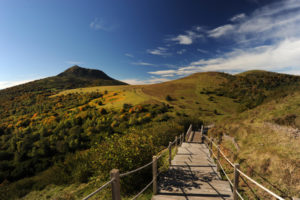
<point>201,134</point>
<point>180,138</point>
<point>218,157</point>
<point>236,181</point>
<point>176,142</point>
<point>170,152</point>
<point>154,174</point>
<point>116,189</point>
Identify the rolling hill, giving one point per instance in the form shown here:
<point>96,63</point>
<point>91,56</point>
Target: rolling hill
<point>69,125</point>
<point>74,77</point>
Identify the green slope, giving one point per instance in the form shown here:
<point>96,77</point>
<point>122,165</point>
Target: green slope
<point>74,77</point>
<point>70,124</point>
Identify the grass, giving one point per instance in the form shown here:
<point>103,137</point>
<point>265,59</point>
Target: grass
<point>186,95</point>
<point>272,153</point>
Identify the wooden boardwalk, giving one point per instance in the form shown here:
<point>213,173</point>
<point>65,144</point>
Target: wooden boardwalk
<point>192,175</point>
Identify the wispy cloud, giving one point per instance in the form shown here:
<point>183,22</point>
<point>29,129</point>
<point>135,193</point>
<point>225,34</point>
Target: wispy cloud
<point>129,55</point>
<point>100,24</point>
<point>267,39</point>
<point>152,80</point>
<point>238,17</point>
<point>159,51</point>
<point>143,63</point>
<point>283,57</point>
<point>134,81</point>
<point>221,31</point>
<point>188,37</point>
<point>272,22</point>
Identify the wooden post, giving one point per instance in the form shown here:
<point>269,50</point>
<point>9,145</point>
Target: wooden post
<point>236,181</point>
<point>180,138</point>
<point>115,185</point>
<point>170,152</point>
<point>202,134</point>
<point>154,174</point>
<point>176,142</point>
<point>218,157</point>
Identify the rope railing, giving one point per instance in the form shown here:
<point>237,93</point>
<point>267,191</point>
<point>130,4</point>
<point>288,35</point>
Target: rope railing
<point>240,196</point>
<point>98,190</point>
<point>259,185</point>
<point>188,133</point>
<point>237,171</point>
<point>143,190</point>
<point>115,180</point>
<point>136,170</point>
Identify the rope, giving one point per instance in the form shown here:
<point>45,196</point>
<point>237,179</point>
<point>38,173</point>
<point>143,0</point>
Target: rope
<point>99,189</point>
<point>253,181</point>
<point>249,188</point>
<point>226,158</point>
<point>220,151</point>
<point>136,196</point>
<point>259,185</point>
<point>239,195</point>
<point>174,141</point>
<point>135,170</point>
<point>223,170</point>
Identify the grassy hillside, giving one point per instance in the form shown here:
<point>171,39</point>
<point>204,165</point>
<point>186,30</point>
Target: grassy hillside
<point>61,135</point>
<point>268,137</point>
<point>74,77</point>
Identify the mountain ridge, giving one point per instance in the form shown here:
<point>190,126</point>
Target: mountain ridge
<point>73,77</point>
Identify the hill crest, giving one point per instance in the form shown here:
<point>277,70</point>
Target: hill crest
<point>80,72</point>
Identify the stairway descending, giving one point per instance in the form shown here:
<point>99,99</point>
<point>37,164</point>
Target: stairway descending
<point>192,175</point>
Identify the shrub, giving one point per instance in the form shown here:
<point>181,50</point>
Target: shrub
<point>169,98</point>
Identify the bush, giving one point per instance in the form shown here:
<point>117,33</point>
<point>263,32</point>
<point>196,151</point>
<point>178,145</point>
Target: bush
<point>169,98</point>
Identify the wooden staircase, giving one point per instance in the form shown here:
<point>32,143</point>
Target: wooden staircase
<point>192,175</point>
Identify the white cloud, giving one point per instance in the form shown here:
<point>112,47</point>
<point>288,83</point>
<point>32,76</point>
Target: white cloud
<point>183,39</point>
<point>129,55</point>
<point>143,64</point>
<point>272,22</point>
<point>134,81</point>
<point>221,31</point>
<point>267,39</point>
<point>163,72</point>
<point>187,38</point>
<point>282,57</point>
<point>7,84</point>
<point>152,80</point>
<point>238,17</point>
<point>99,24</point>
<point>159,51</point>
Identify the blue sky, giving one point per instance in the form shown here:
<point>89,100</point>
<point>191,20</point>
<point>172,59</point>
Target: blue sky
<point>143,41</point>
